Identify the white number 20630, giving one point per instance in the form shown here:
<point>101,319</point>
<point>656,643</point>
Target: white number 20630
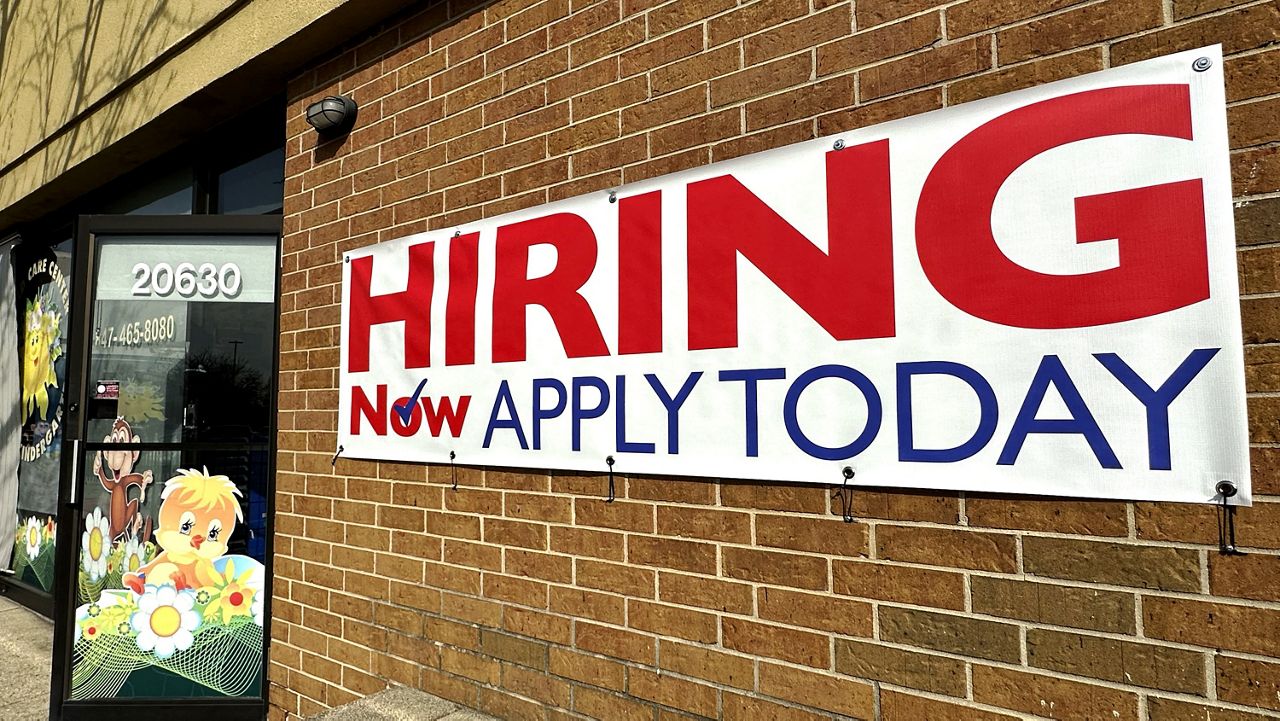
<point>162,279</point>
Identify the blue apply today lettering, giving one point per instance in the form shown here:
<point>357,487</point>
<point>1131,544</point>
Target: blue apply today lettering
<point>552,398</point>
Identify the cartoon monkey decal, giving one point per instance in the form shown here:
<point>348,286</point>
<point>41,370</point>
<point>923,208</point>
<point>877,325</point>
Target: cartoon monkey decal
<point>119,478</point>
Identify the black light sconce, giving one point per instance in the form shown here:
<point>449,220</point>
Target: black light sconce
<point>333,115</point>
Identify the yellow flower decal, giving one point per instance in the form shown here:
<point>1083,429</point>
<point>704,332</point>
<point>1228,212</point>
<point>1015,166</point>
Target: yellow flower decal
<point>232,595</point>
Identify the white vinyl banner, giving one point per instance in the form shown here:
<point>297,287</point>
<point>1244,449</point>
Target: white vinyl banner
<point>1033,293</point>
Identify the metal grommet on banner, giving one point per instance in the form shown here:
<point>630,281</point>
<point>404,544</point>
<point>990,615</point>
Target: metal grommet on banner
<point>845,494</point>
<point>609,460</point>
<point>334,462</point>
<point>1201,64</point>
<point>1227,520</point>
<point>454,469</point>
<point>613,196</point>
<point>457,233</point>
<point>838,145</point>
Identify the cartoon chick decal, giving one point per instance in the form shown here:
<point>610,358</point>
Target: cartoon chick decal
<point>198,514</point>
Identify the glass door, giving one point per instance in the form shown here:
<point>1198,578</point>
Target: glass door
<point>167,586</point>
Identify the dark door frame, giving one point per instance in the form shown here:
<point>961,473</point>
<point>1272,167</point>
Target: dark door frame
<point>80,342</point>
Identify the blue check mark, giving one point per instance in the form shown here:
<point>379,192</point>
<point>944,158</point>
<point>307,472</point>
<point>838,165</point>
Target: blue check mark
<point>406,411</point>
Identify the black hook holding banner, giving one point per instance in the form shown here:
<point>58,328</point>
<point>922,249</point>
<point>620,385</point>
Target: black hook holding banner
<point>454,469</point>
<point>609,460</point>
<point>845,494</point>
<point>334,462</point>
<point>1227,520</point>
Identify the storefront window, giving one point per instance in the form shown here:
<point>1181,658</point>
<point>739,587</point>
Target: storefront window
<point>168,193</point>
<point>255,187</point>
<point>43,276</point>
<point>183,341</point>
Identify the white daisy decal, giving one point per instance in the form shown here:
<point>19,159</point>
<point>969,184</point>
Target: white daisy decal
<point>95,545</point>
<point>134,556</point>
<point>256,608</point>
<point>165,620</point>
<point>32,534</point>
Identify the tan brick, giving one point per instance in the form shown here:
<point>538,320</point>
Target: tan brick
<point>780,569</point>
<point>586,542</point>
<point>943,62</point>
<point>816,535</point>
<point>897,706</point>
<point>1026,75</point>
<point>672,489</point>
<point>884,582</point>
<point>690,556</point>
<point>674,621</point>
<point>671,691</point>
<point>803,34</point>
<point>1256,526</point>
<point>1241,30</point>
<point>597,704</point>
<point>932,506</point>
<point>937,674</point>
<point>1251,76</point>
<point>879,44</point>
<point>806,101</point>
<point>953,634</point>
<point>1248,682</point>
<point>707,664</point>
<point>588,604</point>
<point>588,669</point>
<point>1209,624</point>
<point>1163,709</point>
<point>1093,518</point>
<point>703,523</point>
<point>786,644</point>
<point>1122,662</point>
<point>1087,608</point>
<point>749,708</point>
<point>697,69</point>
<point>1037,694</point>
<point>941,547</point>
<point>979,15</point>
<point>536,507</point>
<point>760,80</point>
<point>1170,569</point>
<point>818,689</point>
<point>616,578</point>
<point>753,18</point>
<point>1082,26</point>
<point>607,641</point>
<point>822,612</point>
<point>1250,576</point>
<point>706,593</point>
<point>621,515</point>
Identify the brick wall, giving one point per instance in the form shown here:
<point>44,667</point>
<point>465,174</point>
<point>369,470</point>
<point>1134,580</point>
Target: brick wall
<point>525,595</point>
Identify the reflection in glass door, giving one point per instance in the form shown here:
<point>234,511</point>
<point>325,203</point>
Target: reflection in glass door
<point>171,580</point>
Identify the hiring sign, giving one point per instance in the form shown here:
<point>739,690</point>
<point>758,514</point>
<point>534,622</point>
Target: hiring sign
<point>1034,293</point>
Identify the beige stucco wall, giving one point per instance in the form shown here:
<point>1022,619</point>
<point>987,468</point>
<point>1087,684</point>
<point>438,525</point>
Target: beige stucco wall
<point>77,77</point>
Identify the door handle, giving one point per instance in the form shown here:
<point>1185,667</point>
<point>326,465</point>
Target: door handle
<point>74,500</point>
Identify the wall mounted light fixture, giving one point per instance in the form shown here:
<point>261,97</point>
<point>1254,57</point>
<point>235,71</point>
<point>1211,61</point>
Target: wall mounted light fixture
<point>333,115</point>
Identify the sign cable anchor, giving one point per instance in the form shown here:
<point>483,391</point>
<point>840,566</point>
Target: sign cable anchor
<point>845,493</point>
<point>453,468</point>
<point>334,462</point>
<point>609,460</point>
<point>1227,520</point>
